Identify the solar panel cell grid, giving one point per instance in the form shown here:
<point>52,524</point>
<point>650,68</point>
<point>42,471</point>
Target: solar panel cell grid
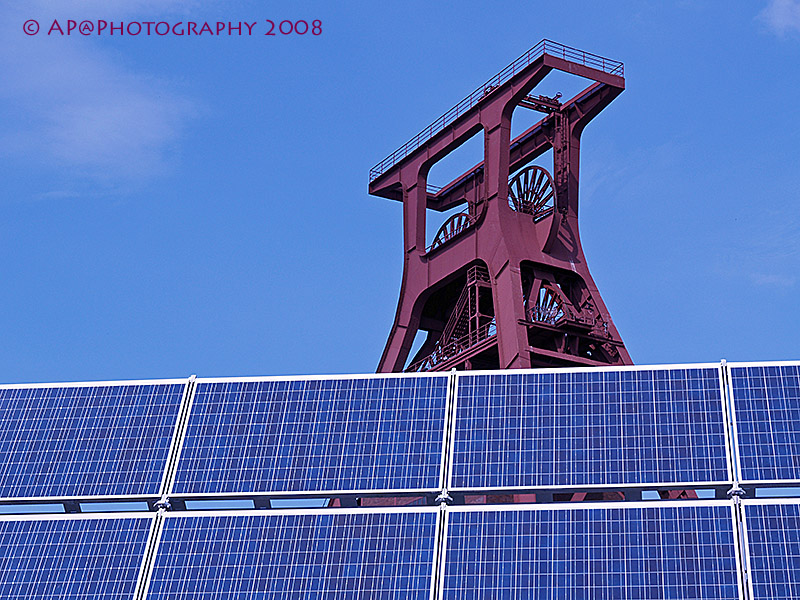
<point>86,441</point>
<point>685,552</point>
<point>332,555</point>
<point>271,436</point>
<point>515,430</point>
<point>71,558</point>
<point>773,540</point>
<point>766,402</point>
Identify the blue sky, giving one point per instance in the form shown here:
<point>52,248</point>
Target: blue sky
<point>176,205</point>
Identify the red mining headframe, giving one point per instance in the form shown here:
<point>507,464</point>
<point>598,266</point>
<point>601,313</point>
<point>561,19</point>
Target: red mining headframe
<point>505,283</point>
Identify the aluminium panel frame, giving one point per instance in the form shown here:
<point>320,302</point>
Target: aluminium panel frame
<point>750,483</point>
<point>296,511</point>
<point>312,493</point>
<point>745,502</point>
<point>100,497</point>
<point>577,506</point>
<point>720,486</point>
<point>93,516</point>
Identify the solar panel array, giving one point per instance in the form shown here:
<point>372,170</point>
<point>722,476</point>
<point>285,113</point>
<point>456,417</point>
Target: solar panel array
<point>633,552</point>
<point>680,427</point>
<point>589,428</point>
<point>319,554</point>
<point>72,557</point>
<point>314,435</point>
<point>90,440</point>
<point>766,402</point>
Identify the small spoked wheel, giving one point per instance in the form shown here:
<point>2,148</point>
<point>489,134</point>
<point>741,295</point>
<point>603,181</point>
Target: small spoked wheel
<point>532,192</point>
<point>451,228</point>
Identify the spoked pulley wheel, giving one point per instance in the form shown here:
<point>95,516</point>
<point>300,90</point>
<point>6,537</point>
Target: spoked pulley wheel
<point>531,191</point>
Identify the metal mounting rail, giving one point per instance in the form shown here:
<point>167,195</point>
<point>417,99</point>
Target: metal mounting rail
<point>549,47</point>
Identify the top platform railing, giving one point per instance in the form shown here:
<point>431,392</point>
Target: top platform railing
<point>613,67</point>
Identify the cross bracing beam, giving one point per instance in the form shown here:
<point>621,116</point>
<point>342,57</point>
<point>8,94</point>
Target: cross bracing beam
<point>540,59</point>
<point>526,147</point>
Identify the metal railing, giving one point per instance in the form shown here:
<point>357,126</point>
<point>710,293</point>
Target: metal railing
<point>452,349</point>
<point>549,47</point>
<point>433,189</point>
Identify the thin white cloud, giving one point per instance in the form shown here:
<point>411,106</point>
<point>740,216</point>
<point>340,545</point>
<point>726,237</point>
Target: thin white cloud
<point>75,107</point>
<point>772,279</point>
<point>765,250</point>
<point>782,16</point>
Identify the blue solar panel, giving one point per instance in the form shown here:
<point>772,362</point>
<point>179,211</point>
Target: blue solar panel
<point>327,554</point>
<point>773,542</point>
<point>766,402</point>
<point>86,440</point>
<point>71,558</point>
<point>307,435</point>
<point>589,428</point>
<point>681,551</point>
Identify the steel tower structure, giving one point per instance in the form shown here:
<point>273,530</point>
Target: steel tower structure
<point>504,283</point>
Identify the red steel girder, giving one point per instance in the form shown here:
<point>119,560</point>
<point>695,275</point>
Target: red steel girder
<point>463,127</point>
<point>527,146</point>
